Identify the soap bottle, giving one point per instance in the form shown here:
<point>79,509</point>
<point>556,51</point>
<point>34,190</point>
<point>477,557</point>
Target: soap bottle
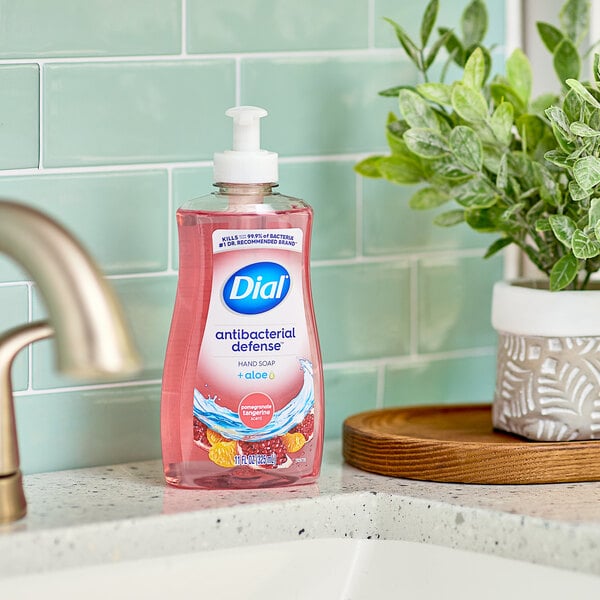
<point>242,393</point>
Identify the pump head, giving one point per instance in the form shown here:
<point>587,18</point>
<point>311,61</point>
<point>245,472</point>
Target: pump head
<point>246,163</point>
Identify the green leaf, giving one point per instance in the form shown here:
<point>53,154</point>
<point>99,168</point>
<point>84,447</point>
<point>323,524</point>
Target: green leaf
<point>582,92</point>
<point>436,47</point>
<point>454,46</point>
<point>543,225</point>
<point>450,218</point>
<point>474,73</point>
<point>469,103</point>
<point>587,172</point>
<point>409,46</point>
<point>448,168</point>
<point>401,169</point>
<point>427,198</point>
<point>563,272</point>
<point>501,122</point>
<point>512,210</point>
<point>577,193</point>
<point>436,92</point>
<point>394,131</point>
<point>369,167</point>
<point>492,156</point>
<point>426,143</point>
<point>466,146</point>
<point>483,221</point>
<point>548,188</point>
<point>583,246</point>
<point>583,130</point>
<point>594,215</point>
<point>566,61</point>
<point>558,158</point>
<point>475,193</point>
<point>532,129</point>
<point>498,245</point>
<point>572,105</point>
<point>574,19</point>
<point>474,22</point>
<point>502,176</point>
<point>416,111</point>
<point>558,117</point>
<point>502,92</point>
<point>394,91</point>
<point>563,228</point>
<point>550,35</point>
<point>518,73</point>
<point>428,21</point>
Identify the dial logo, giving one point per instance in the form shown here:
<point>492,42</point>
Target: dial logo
<point>256,288</point>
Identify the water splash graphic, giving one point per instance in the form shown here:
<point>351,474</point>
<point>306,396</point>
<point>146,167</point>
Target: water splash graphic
<point>228,423</point>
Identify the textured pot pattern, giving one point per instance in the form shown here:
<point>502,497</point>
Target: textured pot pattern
<point>548,388</point>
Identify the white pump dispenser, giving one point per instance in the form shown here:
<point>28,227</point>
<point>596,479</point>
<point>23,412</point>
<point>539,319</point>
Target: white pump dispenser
<point>246,163</point>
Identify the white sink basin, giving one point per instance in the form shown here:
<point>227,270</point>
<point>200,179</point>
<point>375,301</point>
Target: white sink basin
<point>320,569</point>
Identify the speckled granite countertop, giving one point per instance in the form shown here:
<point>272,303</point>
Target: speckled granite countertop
<point>103,514</point>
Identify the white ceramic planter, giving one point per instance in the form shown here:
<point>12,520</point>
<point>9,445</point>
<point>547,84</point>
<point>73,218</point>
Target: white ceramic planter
<point>548,370</point>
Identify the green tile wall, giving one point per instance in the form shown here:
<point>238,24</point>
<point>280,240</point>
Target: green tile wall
<point>110,113</point>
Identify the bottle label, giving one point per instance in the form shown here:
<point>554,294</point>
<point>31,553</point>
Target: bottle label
<point>254,394</point>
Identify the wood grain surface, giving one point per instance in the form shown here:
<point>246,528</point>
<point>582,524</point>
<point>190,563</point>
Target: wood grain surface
<point>458,444</point>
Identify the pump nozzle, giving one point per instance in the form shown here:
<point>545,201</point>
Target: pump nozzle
<point>246,127</point>
<point>246,163</point>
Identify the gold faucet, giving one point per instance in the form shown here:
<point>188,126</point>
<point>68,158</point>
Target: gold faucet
<point>92,339</point>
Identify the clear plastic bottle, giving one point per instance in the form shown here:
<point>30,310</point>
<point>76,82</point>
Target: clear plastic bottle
<point>242,396</point>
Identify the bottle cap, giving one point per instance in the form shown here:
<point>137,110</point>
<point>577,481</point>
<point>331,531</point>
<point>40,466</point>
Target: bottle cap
<point>246,162</point>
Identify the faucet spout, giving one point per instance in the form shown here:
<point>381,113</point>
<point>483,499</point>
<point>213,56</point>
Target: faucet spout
<point>92,338</point>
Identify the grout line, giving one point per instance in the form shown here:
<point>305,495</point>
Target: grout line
<point>30,346</point>
<point>41,76</point>
<point>87,388</point>
<point>238,81</point>
<point>278,55</point>
<point>341,262</point>
<point>371,24</point>
<point>379,363</point>
<point>170,203</point>
<point>414,307</point>
<point>380,390</point>
<point>317,158</point>
<point>387,258</point>
<point>359,239</point>
<point>412,360</point>
<point>184,28</point>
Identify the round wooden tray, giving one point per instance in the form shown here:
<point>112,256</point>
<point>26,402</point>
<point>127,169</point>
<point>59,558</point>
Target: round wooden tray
<point>458,444</point>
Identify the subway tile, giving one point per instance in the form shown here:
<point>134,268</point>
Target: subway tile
<point>60,28</point>
<point>276,25</point>
<point>330,188</point>
<point>323,105</point>
<point>120,217</point>
<point>84,428</point>
<point>15,309</point>
<point>19,107</point>
<point>363,310</point>
<point>135,112</point>
<point>454,302</point>
<point>409,15</point>
<point>148,305</point>
<point>391,226</point>
<point>347,391</point>
<point>451,381</point>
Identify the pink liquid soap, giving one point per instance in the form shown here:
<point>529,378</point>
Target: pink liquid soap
<point>242,394</point>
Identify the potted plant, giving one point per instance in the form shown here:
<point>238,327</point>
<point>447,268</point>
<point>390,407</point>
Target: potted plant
<point>528,170</point>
